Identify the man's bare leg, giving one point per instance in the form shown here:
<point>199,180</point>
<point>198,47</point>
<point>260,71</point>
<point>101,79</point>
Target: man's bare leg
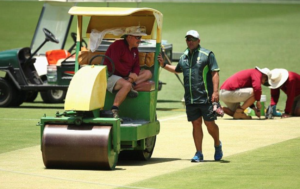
<point>143,76</point>
<point>213,130</point>
<point>296,107</point>
<point>228,111</point>
<point>123,87</point>
<point>239,112</point>
<point>198,133</point>
<point>248,102</point>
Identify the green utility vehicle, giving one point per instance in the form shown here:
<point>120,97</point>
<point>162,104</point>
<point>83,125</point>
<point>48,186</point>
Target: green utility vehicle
<point>28,71</point>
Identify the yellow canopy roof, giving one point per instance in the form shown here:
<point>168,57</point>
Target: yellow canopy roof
<point>113,17</point>
<point>110,11</point>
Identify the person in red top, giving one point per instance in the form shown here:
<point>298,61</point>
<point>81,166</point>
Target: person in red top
<point>243,86</point>
<point>289,83</point>
<point>125,55</point>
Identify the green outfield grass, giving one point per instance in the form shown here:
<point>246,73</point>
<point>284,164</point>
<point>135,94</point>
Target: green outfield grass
<point>241,35</point>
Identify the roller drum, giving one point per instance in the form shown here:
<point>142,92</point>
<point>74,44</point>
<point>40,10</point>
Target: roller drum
<point>84,146</point>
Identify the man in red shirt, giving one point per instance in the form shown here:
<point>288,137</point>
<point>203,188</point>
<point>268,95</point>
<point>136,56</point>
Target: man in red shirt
<point>243,86</point>
<point>289,83</point>
<point>125,55</point>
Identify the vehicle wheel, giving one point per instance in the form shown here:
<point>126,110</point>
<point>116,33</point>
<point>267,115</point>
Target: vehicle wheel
<point>7,93</point>
<point>19,98</point>
<point>139,154</point>
<point>147,153</point>
<point>53,96</point>
<point>31,96</point>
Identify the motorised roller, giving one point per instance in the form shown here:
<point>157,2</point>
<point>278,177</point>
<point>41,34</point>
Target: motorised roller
<point>86,135</point>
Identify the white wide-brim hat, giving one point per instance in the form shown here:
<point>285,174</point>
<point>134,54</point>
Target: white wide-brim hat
<point>265,71</point>
<point>278,77</point>
<point>135,31</point>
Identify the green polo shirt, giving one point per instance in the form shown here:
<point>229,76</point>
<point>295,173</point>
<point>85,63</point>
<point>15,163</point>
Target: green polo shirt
<point>196,68</point>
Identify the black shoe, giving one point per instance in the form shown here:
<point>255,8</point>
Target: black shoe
<point>132,93</point>
<point>116,114</point>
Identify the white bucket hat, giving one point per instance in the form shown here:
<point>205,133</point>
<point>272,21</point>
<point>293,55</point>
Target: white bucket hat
<point>278,77</point>
<point>193,33</point>
<point>135,31</point>
<point>265,71</point>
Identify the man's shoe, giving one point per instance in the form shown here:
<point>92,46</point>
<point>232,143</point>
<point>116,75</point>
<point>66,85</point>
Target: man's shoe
<point>240,114</point>
<point>132,93</point>
<point>198,157</point>
<point>269,113</point>
<point>218,152</point>
<point>116,114</point>
<point>275,112</point>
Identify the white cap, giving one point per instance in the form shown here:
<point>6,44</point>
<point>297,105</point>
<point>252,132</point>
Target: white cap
<point>193,33</point>
<point>135,31</point>
<point>278,77</point>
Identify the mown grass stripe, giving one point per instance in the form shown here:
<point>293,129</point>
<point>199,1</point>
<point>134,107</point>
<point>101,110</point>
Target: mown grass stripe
<point>71,180</point>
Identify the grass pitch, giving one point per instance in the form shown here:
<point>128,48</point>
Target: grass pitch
<point>273,166</point>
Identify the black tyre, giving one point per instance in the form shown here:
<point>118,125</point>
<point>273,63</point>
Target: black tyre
<point>139,154</point>
<point>147,153</point>
<point>7,93</point>
<point>31,96</point>
<point>19,98</point>
<point>53,96</point>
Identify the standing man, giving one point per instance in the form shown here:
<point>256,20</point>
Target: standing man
<point>125,55</point>
<point>201,84</point>
<point>289,83</point>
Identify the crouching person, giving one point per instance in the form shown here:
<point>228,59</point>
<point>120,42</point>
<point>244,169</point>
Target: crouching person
<point>244,87</point>
<point>289,83</point>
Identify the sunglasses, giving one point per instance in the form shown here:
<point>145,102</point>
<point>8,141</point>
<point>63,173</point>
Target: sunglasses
<point>137,37</point>
<point>191,39</point>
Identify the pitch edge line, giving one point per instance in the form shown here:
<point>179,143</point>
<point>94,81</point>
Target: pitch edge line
<point>72,180</point>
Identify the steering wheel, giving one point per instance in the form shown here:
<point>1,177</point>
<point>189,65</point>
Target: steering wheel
<point>50,36</point>
<point>74,37</point>
<point>101,63</point>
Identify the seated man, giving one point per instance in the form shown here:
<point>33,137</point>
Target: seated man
<point>244,86</point>
<point>289,83</point>
<point>125,55</point>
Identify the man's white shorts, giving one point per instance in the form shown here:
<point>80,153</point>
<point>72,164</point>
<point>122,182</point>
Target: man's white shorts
<point>111,82</point>
<point>232,99</point>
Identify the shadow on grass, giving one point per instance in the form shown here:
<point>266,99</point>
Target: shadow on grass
<point>170,109</point>
<point>210,161</point>
<point>40,107</point>
<point>253,119</point>
<point>141,163</point>
<point>120,163</point>
<point>213,161</point>
<point>169,101</point>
